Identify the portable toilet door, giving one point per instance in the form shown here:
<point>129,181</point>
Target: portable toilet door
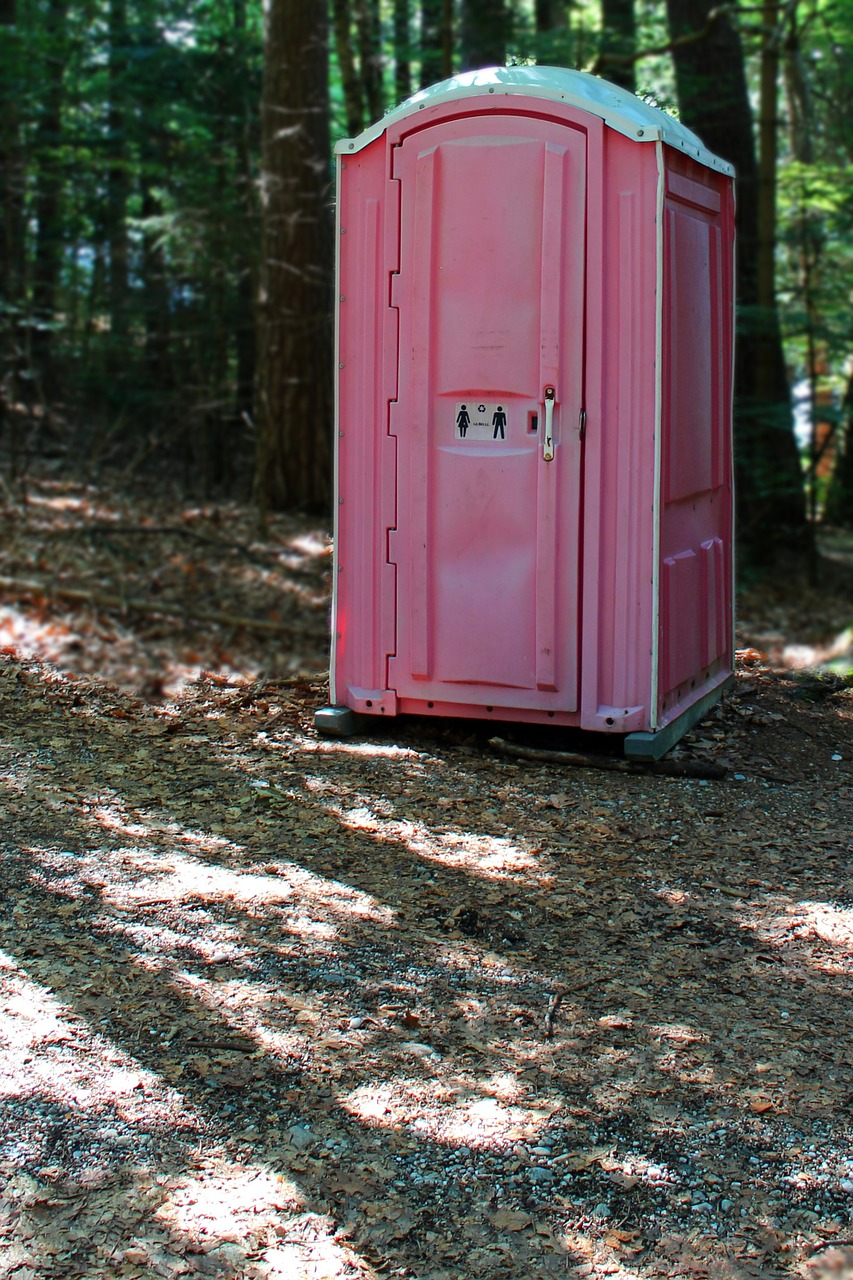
<point>476,524</point>
<point>491,302</point>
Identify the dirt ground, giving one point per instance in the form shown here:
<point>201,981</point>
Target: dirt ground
<point>281,1007</point>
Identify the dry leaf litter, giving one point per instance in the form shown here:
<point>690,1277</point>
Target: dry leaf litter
<point>275,1006</point>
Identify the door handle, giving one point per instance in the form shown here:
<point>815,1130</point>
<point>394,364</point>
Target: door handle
<point>548,446</point>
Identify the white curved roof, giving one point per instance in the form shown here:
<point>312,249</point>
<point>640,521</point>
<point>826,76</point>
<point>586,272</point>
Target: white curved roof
<point>617,107</point>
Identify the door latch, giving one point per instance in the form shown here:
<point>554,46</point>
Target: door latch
<point>548,446</point>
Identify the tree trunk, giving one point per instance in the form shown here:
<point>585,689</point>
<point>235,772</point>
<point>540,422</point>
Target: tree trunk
<point>155,288</point>
<point>12,223</point>
<point>48,196</point>
<point>118,187</point>
<point>484,33</point>
<point>433,42</point>
<point>549,15</point>
<point>618,43</point>
<point>767,157</point>
<point>350,80</point>
<point>402,51</point>
<point>293,407</point>
<point>552,32</point>
<point>244,337</point>
<point>370,56</point>
<point>839,498</point>
<point>714,101</point>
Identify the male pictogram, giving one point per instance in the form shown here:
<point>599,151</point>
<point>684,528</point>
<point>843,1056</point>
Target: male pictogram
<point>499,423</point>
<point>463,421</point>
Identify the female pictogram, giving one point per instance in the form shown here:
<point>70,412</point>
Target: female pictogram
<point>463,421</point>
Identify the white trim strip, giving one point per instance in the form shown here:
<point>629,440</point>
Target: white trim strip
<point>333,649</point>
<point>618,109</point>
<point>656,495</point>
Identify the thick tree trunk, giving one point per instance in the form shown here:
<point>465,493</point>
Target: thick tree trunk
<point>485,26</point>
<point>118,184</point>
<point>12,224</point>
<point>293,405</point>
<point>618,43</point>
<point>714,101</point>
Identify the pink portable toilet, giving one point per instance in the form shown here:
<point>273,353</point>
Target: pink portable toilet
<point>534,364</point>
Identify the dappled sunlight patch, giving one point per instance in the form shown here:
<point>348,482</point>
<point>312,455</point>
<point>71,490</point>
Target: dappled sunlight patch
<point>595,1255</point>
<point>677,1033</point>
<point>223,1204</point>
<point>207,943</point>
<point>822,921</point>
<point>824,929</point>
<point>237,1219</point>
<point>490,857</point>
<point>58,501</point>
<point>333,747</point>
<point>190,878</point>
<point>33,635</point>
<point>48,1053</point>
<point>172,877</point>
<point>452,1113</point>
<point>308,545</point>
<point>142,876</point>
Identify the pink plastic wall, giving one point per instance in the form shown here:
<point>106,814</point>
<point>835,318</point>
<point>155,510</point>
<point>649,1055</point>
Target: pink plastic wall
<point>486,254</point>
<point>696,493</point>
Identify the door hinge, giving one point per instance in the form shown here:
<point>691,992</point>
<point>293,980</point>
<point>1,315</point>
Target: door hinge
<point>582,424</point>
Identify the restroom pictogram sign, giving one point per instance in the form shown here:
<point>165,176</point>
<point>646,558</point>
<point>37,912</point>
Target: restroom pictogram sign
<point>481,420</point>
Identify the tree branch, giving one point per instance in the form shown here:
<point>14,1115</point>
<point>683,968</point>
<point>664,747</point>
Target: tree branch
<point>628,59</point>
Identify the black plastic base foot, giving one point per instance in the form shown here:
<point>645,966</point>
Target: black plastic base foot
<point>338,722</point>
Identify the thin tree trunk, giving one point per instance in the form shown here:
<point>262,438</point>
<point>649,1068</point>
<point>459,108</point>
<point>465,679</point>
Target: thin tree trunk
<point>370,56</point>
<point>839,499</point>
<point>432,42</point>
<point>402,54</point>
<point>244,336</point>
<point>768,149</point>
<point>552,32</point>
<point>155,292</point>
<point>153,174</point>
<point>714,101</point>
<point>808,233</point>
<point>447,39</point>
<point>350,80</point>
<point>484,33</point>
<point>619,42</point>
<point>293,407</point>
<point>549,15</point>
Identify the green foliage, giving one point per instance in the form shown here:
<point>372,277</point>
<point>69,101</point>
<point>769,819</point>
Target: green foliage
<point>129,145</point>
<point>815,260</point>
<point>148,316</point>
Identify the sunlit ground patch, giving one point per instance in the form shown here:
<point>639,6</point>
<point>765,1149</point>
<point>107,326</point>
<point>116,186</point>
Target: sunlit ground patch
<point>46,1051</point>
<point>456,1114</point>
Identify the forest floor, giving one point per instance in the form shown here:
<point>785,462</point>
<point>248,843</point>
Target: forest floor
<point>275,1006</point>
